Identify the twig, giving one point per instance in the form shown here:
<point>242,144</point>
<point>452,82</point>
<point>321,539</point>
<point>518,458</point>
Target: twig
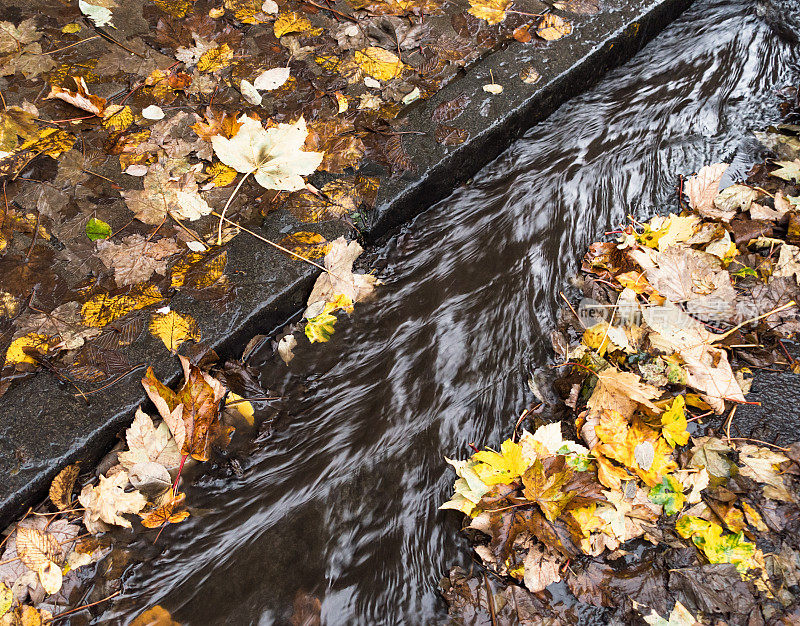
<point>83,606</point>
<point>728,423</point>
<point>72,44</point>
<point>766,443</point>
<point>227,204</point>
<point>490,600</point>
<point>113,382</point>
<point>571,308</point>
<point>334,11</point>
<point>724,335</point>
<point>273,244</point>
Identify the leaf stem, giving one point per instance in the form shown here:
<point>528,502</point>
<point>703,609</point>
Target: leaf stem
<point>788,305</point>
<point>227,204</point>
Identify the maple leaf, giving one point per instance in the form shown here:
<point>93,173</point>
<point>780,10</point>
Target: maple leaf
<point>542,567</point>
<point>274,155</point>
<point>663,232</point>
<point>13,37</point>
<point>174,328</point>
<point>544,486</point>
<point>719,547</point>
<point>761,464</point>
<point>788,170</point>
<point>319,328</point>
<point>135,258</point>
<point>106,502</point>
<point>673,423</point>
<point>166,513</point>
<point>500,467</point>
<point>709,453</point>
<point>623,392</point>
<point>669,494</point>
<point>340,279</point>
<point>707,367</point>
<point>468,488</point>
<point>703,187</point>
<point>148,443</point>
<point>164,194</point>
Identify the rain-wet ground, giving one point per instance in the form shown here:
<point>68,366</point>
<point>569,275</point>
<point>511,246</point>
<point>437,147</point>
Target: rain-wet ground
<point>338,494</point>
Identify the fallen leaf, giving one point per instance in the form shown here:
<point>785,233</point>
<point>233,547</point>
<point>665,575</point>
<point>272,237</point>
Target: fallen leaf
<point>166,513</point>
<point>319,328</point>
<point>673,423</point>
<point>155,616</point>
<point>545,486</point>
<point>788,170</point>
<point>623,392</point>
<point>732,200</point>
<point>174,328</point>
<point>164,194</point>
<point>761,464</point>
<point>153,112</point>
<point>80,98</point>
<point>542,568</point>
<point>274,155</point>
<point>493,11</point>
<point>106,502</point>
<point>580,7</point>
<point>271,79</point>
<point>136,258</point>
<point>703,187</point>
<point>148,443</point>
<point>215,59</point>
<point>103,308</point>
<point>62,486</point>
<point>379,63</point>
<point>340,279</point>
<point>669,494</point>
<point>98,11</point>
<point>285,346</point>
<point>306,244</point>
<point>291,22</point>
<point>97,229</point>
<point>552,27</point>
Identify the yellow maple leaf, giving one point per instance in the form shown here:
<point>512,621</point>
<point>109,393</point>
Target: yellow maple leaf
<point>493,11</point>
<point>673,423</point>
<point>32,341</point>
<point>174,328</point>
<point>379,63</point>
<point>503,467</point>
<point>215,59</point>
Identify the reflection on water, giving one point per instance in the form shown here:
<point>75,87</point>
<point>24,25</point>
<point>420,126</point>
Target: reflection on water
<point>341,498</point>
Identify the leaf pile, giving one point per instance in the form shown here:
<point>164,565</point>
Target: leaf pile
<point>682,302</point>
<point>118,149</point>
<point>42,555</point>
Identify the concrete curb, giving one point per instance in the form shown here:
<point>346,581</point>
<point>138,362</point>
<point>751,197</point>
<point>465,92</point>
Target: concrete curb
<point>44,426</point>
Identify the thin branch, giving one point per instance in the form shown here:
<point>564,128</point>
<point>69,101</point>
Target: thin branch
<point>755,319</point>
<point>227,204</point>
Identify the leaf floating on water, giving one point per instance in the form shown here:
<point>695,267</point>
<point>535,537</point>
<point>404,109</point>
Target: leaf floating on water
<point>285,347</point>
<point>107,502</point>
<point>320,327</point>
<point>167,513</point>
<point>553,27</point>
<point>174,328</point>
<point>155,616</point>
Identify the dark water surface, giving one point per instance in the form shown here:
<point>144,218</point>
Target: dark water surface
<point>340,498</point>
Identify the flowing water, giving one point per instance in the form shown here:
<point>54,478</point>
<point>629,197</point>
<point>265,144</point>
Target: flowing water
<point>339,498</point>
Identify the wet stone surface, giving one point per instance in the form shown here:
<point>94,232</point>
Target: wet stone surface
<point>385,162</point>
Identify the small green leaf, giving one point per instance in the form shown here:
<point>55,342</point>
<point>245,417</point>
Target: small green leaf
<point>744,272</point>
<point>97,229</point>
<point>668,493</point>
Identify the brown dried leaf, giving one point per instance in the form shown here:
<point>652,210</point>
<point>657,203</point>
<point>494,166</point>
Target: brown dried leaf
<point>62,486</point>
